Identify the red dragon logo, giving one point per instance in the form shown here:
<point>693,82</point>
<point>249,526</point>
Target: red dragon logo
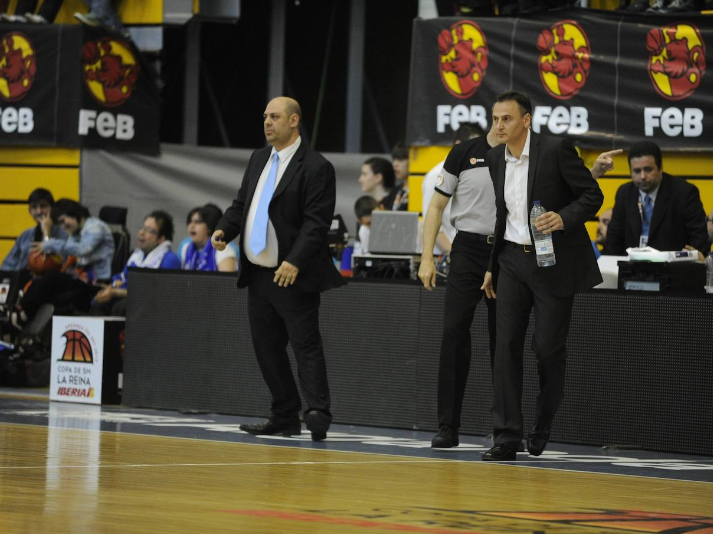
<point>677,60</point>
<point>18,66</point>
<point>463,58</point>
<point>564,59</point>
<point>78,348</point>
<point>110,70</point>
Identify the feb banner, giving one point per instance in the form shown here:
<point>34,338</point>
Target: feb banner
<point>75,86</point>
<point>604,79</point>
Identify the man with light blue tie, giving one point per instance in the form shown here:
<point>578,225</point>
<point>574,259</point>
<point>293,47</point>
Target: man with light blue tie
<point>282,213</point>
<point>655,209</point>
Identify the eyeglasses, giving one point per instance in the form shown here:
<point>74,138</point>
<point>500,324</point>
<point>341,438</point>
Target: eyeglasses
<point>148,230</point>
<point>709,219</point>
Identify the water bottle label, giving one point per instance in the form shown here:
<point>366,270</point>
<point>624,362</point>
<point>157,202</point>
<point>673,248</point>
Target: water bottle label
<point>544,246</point>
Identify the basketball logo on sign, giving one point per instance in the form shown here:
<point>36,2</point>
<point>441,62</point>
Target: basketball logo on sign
<point>78,348</point>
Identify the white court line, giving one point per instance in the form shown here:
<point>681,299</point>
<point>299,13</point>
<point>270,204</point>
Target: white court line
<point>227,464</point>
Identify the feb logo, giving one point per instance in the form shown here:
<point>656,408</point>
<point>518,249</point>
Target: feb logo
<point>677,60</point>
<point>18,66</point>
<point>463,53</point>
<point>564,59</point>
<point>110,70</point>
<point>78,349</point>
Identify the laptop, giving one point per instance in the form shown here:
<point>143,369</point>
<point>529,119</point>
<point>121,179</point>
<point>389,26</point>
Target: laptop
<point>395,232</point>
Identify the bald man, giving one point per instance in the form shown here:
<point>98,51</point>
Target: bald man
<point>282,213</point>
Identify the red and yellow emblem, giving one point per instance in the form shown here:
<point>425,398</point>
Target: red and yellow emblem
<point>463,53</point>
<point>78,348</point>
<point>110,70</point>
<point>564,60</point>
<point>18,66</point>
<point>677,60</point>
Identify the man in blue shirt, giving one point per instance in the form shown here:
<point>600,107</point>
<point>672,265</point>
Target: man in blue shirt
<point>154,252</point>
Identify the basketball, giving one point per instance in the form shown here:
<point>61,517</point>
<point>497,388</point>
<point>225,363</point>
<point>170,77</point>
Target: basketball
<point>40,263</point>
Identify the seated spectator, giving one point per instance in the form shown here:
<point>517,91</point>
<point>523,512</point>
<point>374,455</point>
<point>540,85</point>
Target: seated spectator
<point>41,202</point>
<point>196,252</point>
<point>25,12</point>
<point>377,178</point>
<point>709,222</point>
<point>102,14</point>
<point>89,250</point>
<point>602,226</point>
<point>154,252</point>
<point>655,208</point>
<point>397,199</point>
<point>362,209</point>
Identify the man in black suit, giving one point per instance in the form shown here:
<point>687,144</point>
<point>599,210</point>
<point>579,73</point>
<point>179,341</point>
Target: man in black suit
<point>282,213</point>
<point>530,167</point>
<point>655,208</point>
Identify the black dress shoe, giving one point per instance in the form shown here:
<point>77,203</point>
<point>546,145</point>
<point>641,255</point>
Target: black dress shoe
<point>501,453</point>
<point>270,428</point>
<point>537,441</point>
<point>446,438</point>
<point>317,423</point>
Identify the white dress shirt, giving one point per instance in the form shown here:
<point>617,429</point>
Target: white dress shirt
<point>268,257</point>
<point>517,228</point>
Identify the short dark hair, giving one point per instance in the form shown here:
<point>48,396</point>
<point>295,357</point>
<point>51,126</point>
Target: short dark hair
<point>384,167</point>
<point>191,213</point>
<point>364,206</point>
<point>211,215</point>
<point>41,196</point>
<point>70,208</point>
<point>468,130</point>
<point>522,100</point>
<point>164,222</point>
<point>646,148</point>
<point>400,151</point>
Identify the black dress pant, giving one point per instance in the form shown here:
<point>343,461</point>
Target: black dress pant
<point>469,262</point>
<point>278,315</point>
<point>66,293</point>
<point>520,288</point>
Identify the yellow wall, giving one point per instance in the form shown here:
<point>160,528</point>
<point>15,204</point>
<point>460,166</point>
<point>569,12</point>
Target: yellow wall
<point>21,171</point>
<point>130,11</point>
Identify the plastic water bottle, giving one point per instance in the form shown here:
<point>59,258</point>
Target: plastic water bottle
<point>709,273</point>
<point>544,248</point>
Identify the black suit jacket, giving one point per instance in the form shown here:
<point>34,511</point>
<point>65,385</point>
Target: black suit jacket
<point>301,211</point>
<point>678,218</point>
<point>557,178</point>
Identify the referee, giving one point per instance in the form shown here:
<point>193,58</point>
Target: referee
<point>465,182</point>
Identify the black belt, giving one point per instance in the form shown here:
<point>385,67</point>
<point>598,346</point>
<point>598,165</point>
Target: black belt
<point>523,248</point>
<point>478,237</point>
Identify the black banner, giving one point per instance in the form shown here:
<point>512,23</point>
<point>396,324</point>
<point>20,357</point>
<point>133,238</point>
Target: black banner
<point>75,86</point>
<point>604,79</point>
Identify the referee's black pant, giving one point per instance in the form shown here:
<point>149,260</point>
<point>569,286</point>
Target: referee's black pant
<point>469,262</point>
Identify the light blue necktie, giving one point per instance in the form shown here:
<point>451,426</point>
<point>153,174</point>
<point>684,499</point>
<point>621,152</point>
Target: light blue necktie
<point>646,217</point>
<point>258,237</point>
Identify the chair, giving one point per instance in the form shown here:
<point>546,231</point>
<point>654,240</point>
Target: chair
<point>115,217</point>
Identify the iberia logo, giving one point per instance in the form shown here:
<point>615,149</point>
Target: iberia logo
<point>78,348</point>
<point>463,58</point>
<point>110,70</point>
<point>18,65</point>
<point>564,59</point>
<point>677,60</point>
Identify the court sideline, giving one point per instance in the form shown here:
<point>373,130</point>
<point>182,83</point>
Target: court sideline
<point>78,468</point>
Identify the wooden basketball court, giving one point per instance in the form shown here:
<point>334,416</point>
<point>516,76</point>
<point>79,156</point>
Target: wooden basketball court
<point>69,468</point>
